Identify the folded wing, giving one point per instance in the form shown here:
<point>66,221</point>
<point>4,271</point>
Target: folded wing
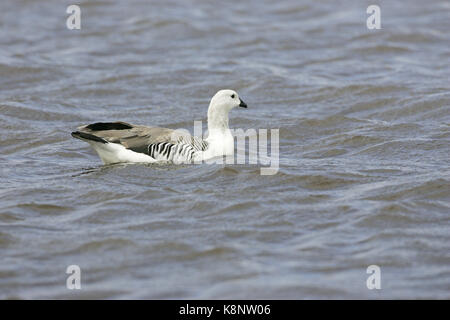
<point>159,143</point>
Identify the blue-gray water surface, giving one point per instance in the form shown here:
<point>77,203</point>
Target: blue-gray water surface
<point>364,179</point>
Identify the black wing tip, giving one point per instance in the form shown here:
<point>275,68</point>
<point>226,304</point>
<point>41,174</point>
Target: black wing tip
<point>87,136</point>
<point>100,126</point>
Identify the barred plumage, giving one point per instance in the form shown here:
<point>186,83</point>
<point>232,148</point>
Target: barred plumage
<point>183,151</point>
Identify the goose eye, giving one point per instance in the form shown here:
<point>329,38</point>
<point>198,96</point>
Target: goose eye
<point>232,96</point>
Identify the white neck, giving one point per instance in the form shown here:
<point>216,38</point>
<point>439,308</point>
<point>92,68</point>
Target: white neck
<point>219,135</point>
<point>217,118</point>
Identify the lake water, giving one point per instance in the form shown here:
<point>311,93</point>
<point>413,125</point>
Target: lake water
<point>364,179</point>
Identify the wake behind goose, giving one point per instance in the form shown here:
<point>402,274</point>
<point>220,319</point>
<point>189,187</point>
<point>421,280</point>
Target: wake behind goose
<point>117,142</point>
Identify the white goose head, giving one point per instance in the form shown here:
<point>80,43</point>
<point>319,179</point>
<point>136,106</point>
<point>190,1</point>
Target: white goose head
<point>219,107</point>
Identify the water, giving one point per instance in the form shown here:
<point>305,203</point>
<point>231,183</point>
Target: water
<point>364,147</point>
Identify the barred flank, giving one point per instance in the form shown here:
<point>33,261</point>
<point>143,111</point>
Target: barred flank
<point>182,151</point>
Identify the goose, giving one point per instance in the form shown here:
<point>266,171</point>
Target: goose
<point>117,142</point>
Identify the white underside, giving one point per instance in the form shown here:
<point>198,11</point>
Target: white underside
<point>115,153</point>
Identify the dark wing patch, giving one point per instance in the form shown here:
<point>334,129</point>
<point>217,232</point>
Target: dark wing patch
<point>139,149</point>
<point>100,126</point>
<point>87,136</point>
